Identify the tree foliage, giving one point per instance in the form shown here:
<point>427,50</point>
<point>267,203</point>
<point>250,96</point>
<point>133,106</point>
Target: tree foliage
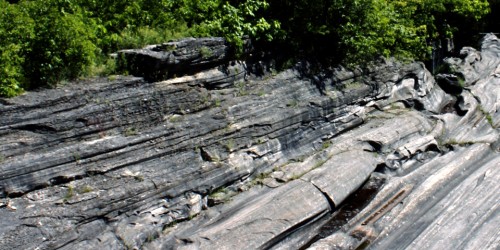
<point>16,30</point>
<point>359,30</point>
<point>63,45</point>
<point>43,42</point>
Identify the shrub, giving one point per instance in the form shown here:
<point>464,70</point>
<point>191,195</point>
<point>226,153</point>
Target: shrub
<point>221,18</point>
<point>64,43</point>
<point>16,31</point>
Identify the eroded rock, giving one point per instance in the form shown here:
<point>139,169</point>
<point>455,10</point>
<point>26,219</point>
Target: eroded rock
<point>222,159</point>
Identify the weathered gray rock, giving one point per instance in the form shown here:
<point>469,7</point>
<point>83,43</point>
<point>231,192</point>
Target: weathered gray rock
<point>342,174</point>
<point>384,157</point>
<point>176,58</point>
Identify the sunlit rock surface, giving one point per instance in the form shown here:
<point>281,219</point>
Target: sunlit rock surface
<point>384,158</point>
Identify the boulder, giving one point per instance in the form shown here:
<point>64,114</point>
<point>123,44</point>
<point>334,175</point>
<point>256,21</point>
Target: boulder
<point>176,58</point>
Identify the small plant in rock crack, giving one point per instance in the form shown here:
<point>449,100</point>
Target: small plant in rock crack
<point>230,145</point>
<point>318,164</point>
<point>296,176</point>
<point>221,193</point>
<point>489,118</point>
<point>205,99</point>
<point>86,189</point>
<point>76,156</point>
<point>259,179</point>
<point>261,93</point>
<point>217,103</point>
<point>170,47</point>
<point>487,115</point>
<point>175,118</point>
<point>166,228</point>
<point>241,89</point>
<point>69,193</point>
<point>292,104</point>
<point>130,131</point>
<point>326,145</point>
<point>353,85</point>
<point>206,52</point>
<point>152,237</point>
<point>461,82</point>
<point>192,216</point>
<point>139,178</point>
<point>261,141</point>
<point>112,77</point>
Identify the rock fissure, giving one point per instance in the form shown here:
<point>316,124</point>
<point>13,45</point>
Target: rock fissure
<point>328,198</point>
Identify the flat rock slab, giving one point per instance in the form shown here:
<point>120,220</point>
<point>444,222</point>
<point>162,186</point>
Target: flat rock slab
<point>342,174</point>
<point>264,220</point>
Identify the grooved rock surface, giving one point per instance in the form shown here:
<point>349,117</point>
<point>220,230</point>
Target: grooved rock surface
<point>385,158</point>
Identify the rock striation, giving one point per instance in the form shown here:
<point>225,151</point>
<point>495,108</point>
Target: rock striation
<point>215,157</point>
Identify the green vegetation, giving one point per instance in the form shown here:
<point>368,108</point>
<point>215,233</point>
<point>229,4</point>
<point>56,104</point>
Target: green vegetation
<point>139,178</point>
<point>175,118</point>
<point>76,156</point>
<point>487,115</point>
<point>241,89</point>
<point>205,52</point>
<point>353,85</point>
<point>319,163</point>
<point>130,131</point>
<point>86,189</point>
<point>461,82</point>
<point>230,145</point>
<point>259,179</point>
<point>222,194</point>
<point>359,30</point>
<point>293,103</point>
<point>326,144</point>
<point>69,194</point>
<point>45,42</point>
<point>217,102</point>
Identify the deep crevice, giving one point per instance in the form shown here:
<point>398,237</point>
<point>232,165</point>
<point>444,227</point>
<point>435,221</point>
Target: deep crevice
<point>381,168</point>
<point>278,238</point>
<point>458,109</point>
<point>327,197</point>
<point>349,208</point>
<point>376,146</point>
<point>37,128</point>
<point>449,83</point>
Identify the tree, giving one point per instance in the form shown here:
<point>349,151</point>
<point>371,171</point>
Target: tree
<point>403,28</point>
<point>63,46</point>
<point>16,31</point>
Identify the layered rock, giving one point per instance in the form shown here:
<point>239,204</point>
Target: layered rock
<point>176,58</point>
<point>384,157</point>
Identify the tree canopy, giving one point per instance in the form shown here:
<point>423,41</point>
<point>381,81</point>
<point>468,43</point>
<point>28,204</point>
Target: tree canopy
<point>43,42</point>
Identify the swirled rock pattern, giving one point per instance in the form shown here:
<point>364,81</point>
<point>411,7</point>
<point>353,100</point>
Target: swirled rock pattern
<point>384,157</point>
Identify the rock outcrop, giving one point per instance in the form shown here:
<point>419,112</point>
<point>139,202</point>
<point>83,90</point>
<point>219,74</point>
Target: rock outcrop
<point>176,58</point>
<point>386,157</point>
